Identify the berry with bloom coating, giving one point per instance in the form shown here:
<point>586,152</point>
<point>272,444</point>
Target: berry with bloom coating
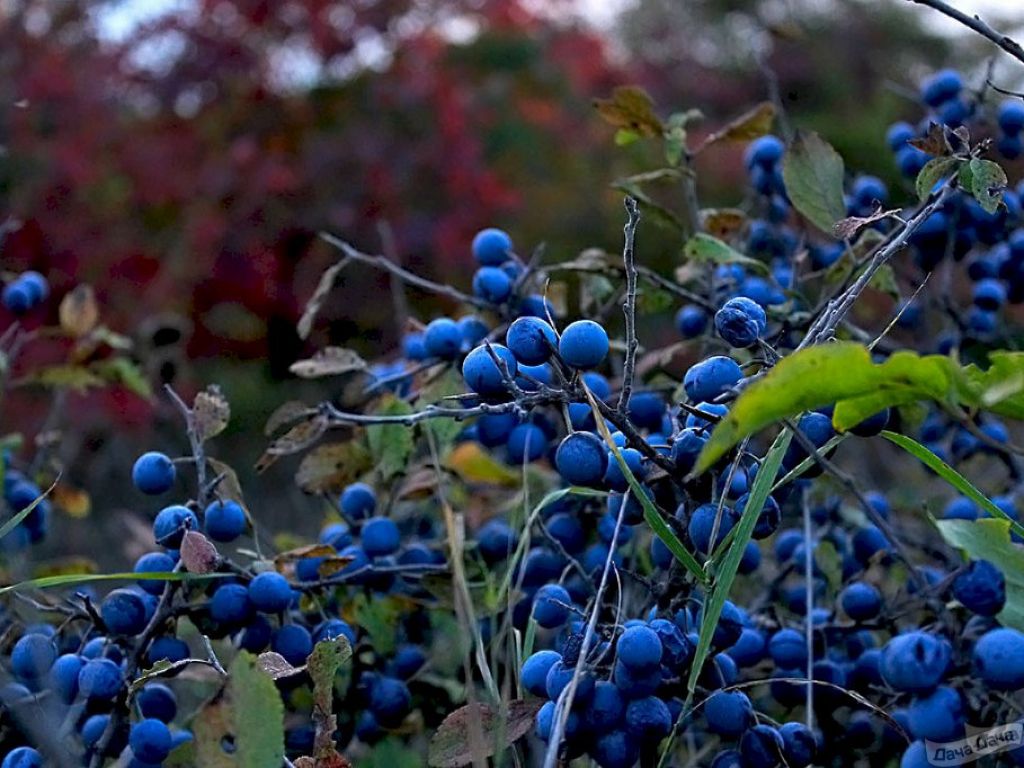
<point>492,284</point>
<point>582,459</point>
<point>124,612</point>
<point>584,344</point>
<point>981,588</point>
<point>534,673</point>
<point>939,716</point>
<point>483,375</point>
<point>224,520</point>
<point>443,338</point>
<point>798,745</point>
<point>491,246</point>
<point>23,757</point>
<point>171,523</point>
<point>380,536</point>
<point>915,661</point>
<point>702,523</point>
<point>390,701</point>
<point>150,740</point>
<point>728,713</point>
<point>531,340</point>
<point>691,321</point>
<point>710,378</point>
<point>648,718</point>
<point>761,747</point>
<point>158,701</point>
<point>999,659</point>
<point>100,679</point>
<point>639,647</point>
<point>1011,117</point>
<point>740,322</point>
<point>270,592</point>
<point>293,642</point>
<point>357,501</point>
<point>550,606</point>
<point>153,473</point>
<point>861,601</point>
<point>617,749</point>
<point>32,656</point>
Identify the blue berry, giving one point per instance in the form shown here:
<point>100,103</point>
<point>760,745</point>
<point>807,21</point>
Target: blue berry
<point>156,700</point>
<point>332,629</point>
<point>531,340</point>
<point>691,321</point>
<point>63,676</point>
<point>944,85</point>
<point>999,659</point>
<point>270,592</point>
<point>380,536</point>
<point>23,757</point>
<point>898,134</point>
<point>481,373</point>
<point>1011,116</point>
<point>293,642</point>
<point>582,459</point>
<point>915,661</point>
<point>648,718</point>
<point>390,701</point>
<point>171,523</point>
<point>527,442</point>
<point>617,749</point>
<point>761,747</point>
<point>32,656</point>
<point>550,606</point>
<point>492,284</point>
<point>167,647</point>
<point>17,297</point>
<point>491,246</point>
<point>606,708</point>
<point>443,338</point>
<point>728,713</point>
<point>981,588</point>
<point>765,151</point>
<point>473,329</point>
<point>150,740</point>
<point>230,605</point>
<point>100,679</point>
<point>740,322</point>
<point>710,378</point>
<point>639,648</point>
<point>534,673</point>
<point>938,716</point>
<point>584,344</point>
<point>496,541</point>
<point>788,649</point>
<point>702,523</point>
<point>358,501</point>
<point>225,520</point>
<point>124,612</point>
<point>153,473</point>
<point>153,562</point>
<point>861,601</point>
<point>798,745</point>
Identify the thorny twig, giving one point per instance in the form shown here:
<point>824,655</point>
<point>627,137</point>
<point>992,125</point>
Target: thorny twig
<point>629,306</point>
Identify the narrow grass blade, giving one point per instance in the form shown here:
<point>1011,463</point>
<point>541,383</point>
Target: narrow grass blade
<point>951,476</point>
<point>68,579</point>
<point>731,562</point>
<point>651,514</point>
<point>11,524</point>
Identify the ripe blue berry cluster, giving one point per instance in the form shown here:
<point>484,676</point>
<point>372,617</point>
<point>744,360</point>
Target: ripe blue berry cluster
<point>24,293</point>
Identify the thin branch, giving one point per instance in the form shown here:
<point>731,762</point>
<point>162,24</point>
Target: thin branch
<point>629,306</point>
<point>975,23</point>
<point>380,262</point>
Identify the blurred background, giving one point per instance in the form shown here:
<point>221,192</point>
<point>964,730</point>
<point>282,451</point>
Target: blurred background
<point>182,155</point>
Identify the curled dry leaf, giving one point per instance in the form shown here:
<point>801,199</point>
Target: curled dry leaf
<point>453,744</point>
<point>285,414</point>
<point>317,299</point>
<point>296,439</point>
<point>198,553</point>
<point>630,108</point>
<point>211,412</point>
<point>331,467</point>
<point>851,225</point>
<point>751,125</point>
<point>329,361</point>
<point>276,666</point>
<point>78,312</point>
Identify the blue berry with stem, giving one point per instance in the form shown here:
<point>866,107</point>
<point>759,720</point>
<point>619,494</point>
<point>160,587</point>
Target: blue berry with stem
<point>639,647</point>
<point>293,642</point>
<point>740,322</point>
<point>380,536</point>
<point>32,656</point>
<point>582,459</point>
<point>443,338</point>
<point>358,501</point>
<point>583,344</point>
<point>22,757</point>
<point>171,523</point>
<point>861,601</point>
<point>710,378</point>
<point>491,246</point>
<point>492,284</point>
<point>224,520</point>
<point>531,340</point>
<point>153,473</point>
<point>981,588</point>
<point>999,659</point>
<point>483,375</point>
<point>157,701</point>
<point>150,740</point>
<point>551,606</point>
<point>270,592</point>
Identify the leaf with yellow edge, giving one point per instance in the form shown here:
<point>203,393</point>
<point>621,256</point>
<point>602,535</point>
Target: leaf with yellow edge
<point>474,465</point>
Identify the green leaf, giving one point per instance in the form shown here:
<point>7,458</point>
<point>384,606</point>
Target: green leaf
<point>951,476</point>
<point>1000,388</point>
<point>391,753</point>
<point>651,210</point>
<point>705,249</point>
<point>250,715</point>
<point>990,540</point>
<point>323,664</point>
<point>70,579</point>
<point>444,431</point>
<point>122,371</point>
<point>624,137</point>
<point>75,377</point>
<point>813,174</point>
<point>378,617</point>
<point>651,513</point>
<point>726,574</point>
<point>453,744</point>
<point>821,375</point>
<point>988,180</point>
<point>934,171</point>
<point>391,445</point>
